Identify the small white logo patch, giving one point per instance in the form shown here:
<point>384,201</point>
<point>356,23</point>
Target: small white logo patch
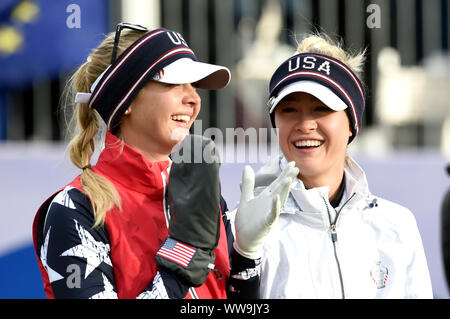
<point>379,274</point>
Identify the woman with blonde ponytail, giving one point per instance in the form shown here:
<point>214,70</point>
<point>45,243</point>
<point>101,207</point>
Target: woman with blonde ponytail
<point>110,233</point>
<point>333,239</point>
<point>100,191</point>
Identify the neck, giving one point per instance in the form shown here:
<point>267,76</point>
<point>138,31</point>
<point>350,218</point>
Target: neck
<point>334,182</point>
<point>150,151</point>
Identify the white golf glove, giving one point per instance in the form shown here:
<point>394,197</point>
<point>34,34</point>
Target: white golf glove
<point>256,215</point>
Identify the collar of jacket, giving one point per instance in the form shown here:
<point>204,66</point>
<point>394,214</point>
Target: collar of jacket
<point>122,164</point>
<point>313,200</point>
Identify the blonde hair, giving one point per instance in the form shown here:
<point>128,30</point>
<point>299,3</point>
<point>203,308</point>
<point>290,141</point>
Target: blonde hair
<point>101,192</point>
<point>323,44</point>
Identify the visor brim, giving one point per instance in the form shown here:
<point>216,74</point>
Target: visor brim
<point>324,94</point>
<point>204,75</point>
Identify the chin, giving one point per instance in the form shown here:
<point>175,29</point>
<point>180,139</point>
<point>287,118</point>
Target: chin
<point>178,134</point>
<point>176,138</point>
<point>307,167</point>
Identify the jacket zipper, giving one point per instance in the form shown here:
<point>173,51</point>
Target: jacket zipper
<point>166,210</point>
<point>334,238</point>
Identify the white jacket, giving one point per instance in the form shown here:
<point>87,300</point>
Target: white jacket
<point>373,249</point>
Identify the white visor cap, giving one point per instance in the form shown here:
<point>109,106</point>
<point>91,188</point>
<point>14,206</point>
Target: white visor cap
<point>324,94</point>
<point>204,75</point>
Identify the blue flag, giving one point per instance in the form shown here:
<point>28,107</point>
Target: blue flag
<point>41,38</point>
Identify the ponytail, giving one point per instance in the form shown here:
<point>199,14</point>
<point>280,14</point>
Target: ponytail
<point>100,191</point>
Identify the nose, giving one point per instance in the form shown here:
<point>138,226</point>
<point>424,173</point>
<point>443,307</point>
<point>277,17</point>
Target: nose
<point>305,123</point>
<point>191,97</point>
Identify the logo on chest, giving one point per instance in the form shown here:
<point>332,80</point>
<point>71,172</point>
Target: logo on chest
<point>379,274</point>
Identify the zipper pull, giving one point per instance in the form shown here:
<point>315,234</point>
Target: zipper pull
<point>333,233</point>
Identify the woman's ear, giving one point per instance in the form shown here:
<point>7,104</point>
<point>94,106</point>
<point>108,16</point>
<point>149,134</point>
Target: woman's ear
<point>350,132</point>
<point>128,111</point>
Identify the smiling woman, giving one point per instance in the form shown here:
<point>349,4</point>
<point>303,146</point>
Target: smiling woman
<point>334,239</point>
<point>315,137</point>
<point>135,96</point>
<point>136,224</point>
<point>155,130</point>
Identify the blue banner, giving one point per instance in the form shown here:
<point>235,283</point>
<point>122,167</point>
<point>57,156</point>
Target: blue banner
<point>42,38</point>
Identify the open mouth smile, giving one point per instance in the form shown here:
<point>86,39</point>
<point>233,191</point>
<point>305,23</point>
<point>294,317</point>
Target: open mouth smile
<point>181,118</point>
<point>308,144</point>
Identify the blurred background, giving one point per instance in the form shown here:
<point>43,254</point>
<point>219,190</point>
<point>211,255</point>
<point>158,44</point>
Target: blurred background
<point>404,145</point>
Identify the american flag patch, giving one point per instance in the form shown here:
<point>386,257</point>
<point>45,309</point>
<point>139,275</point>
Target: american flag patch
<point>177,252</point>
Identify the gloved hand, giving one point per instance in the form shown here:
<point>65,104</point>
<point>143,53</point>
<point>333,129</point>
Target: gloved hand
<point>194,199</point>
<point>255,216</point>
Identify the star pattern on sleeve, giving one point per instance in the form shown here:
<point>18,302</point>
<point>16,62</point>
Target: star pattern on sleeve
<point>158,291</point>
<point>94,251</point>
<point>63,198</point>
<point>52,274</point>
<point>108,293</point>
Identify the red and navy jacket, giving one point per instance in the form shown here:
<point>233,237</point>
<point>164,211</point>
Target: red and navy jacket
<point>116,260</point>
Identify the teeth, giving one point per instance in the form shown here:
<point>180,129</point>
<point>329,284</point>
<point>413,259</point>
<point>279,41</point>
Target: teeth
<point>183,118</point>
<point>308,143</point>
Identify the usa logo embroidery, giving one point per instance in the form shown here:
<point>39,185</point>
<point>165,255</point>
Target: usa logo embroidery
<point>379,274</point>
